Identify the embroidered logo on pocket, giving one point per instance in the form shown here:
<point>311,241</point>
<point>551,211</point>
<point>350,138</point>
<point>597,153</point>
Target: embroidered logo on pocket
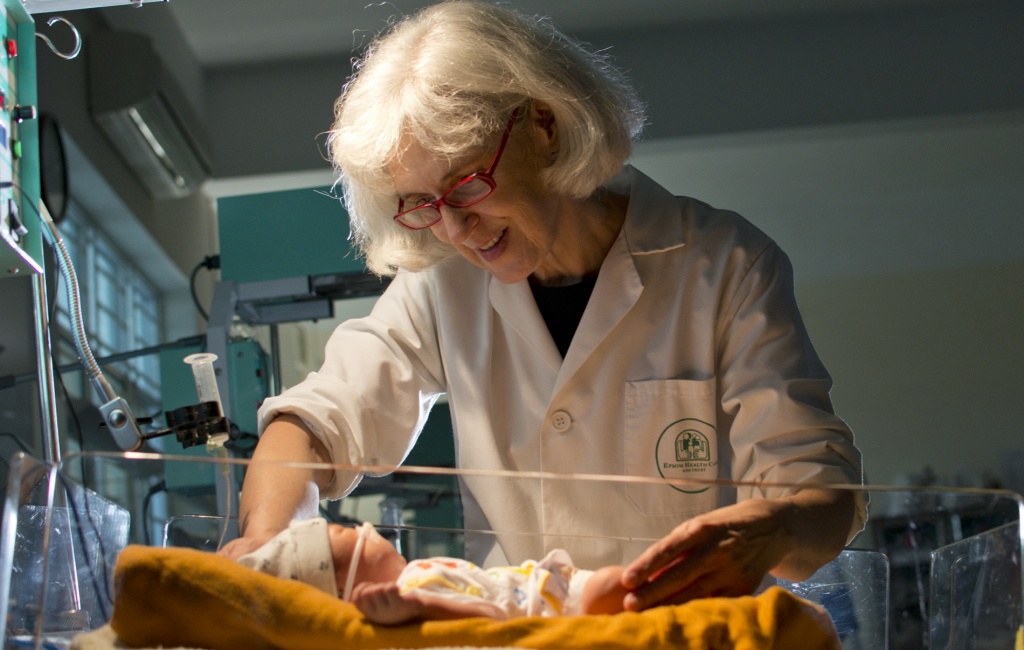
<point>686,449</point>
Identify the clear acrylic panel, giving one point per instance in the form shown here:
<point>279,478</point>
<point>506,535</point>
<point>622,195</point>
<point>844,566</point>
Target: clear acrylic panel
<point>970,582</point>
<point>934,568</point>
<point>58,546</point>
<point>202,532</point>
<point>854,590</point>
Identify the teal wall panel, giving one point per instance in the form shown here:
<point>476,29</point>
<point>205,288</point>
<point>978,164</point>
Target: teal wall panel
<point>284,234</point>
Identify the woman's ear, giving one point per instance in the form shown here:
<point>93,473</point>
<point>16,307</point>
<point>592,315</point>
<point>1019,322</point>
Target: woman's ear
<point>543,120</point>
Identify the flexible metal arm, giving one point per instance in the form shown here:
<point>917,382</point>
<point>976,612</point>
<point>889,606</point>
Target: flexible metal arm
<point>115,410</point>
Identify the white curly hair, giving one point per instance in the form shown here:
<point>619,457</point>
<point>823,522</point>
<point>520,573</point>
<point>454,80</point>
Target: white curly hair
<point>450,76</point>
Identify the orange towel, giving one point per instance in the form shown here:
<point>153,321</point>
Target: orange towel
<point>181,597</point>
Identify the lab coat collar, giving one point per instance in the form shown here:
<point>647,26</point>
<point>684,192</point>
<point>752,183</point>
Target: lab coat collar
<point>653,223</point>
<point>646,230</point>
<point>515,304</point>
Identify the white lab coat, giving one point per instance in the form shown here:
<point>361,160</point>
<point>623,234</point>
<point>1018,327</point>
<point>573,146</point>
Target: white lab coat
<point>691,362</point>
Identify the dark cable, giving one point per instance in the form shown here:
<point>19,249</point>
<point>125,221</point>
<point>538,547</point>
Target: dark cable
<point>237,436</point>
<point>210,262</point>
<point>184,342</point>
<point>195,298</point>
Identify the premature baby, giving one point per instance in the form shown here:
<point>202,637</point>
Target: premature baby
<point>362,567</point>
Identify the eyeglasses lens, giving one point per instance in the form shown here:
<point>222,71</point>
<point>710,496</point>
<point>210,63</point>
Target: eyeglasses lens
<point>469,192</point>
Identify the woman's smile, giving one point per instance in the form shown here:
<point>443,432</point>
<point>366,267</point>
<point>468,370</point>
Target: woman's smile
<point>494,241</point>
<point>494,248</point>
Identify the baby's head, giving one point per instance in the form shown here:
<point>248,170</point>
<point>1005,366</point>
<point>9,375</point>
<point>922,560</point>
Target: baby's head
<point>378,560</point>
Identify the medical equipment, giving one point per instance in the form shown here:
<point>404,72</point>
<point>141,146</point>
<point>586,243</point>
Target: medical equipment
<point>202,423</point>
<point>21,249</point>
<point>63,527</point>
<point>117,415</point>
<point>206,380</point>
<point>285,256</point>
<point>21,237</point>
<point>193,424</point>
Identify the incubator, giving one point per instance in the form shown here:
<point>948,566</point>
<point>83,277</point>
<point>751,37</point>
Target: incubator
<point>934,568</point>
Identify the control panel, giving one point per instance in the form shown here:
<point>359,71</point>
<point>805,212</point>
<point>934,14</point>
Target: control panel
<point>20,228</point>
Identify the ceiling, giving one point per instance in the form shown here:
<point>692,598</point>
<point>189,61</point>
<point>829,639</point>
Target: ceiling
<point>230,32</point>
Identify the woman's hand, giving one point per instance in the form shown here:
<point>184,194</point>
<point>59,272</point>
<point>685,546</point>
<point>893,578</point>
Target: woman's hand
<point>727,552</point>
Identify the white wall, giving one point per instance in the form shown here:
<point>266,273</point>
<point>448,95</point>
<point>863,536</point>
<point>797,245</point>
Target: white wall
<point>929,367</point>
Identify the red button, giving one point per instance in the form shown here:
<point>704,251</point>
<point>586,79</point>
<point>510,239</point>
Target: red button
<point>12,48</point>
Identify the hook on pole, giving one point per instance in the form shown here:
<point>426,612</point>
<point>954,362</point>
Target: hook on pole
<point>53,48</point>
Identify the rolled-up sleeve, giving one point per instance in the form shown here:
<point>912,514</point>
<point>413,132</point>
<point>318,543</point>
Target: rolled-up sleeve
<point>775,390</point>
<point>381,375</point>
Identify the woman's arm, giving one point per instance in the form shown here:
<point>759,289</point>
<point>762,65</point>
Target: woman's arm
<point>272,494</point>
<point>727,552</point>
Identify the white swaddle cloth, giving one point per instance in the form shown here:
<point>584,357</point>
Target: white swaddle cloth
<point>550,587</point>
<point>300,552</point>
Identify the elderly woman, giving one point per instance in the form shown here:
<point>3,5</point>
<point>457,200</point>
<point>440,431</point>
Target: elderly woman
<point>580,318</point>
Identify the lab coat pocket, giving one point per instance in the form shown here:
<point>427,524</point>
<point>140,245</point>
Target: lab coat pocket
<point>671,435</point>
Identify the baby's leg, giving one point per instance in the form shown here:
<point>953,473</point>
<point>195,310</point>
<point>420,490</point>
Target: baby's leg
<point>603,593</point>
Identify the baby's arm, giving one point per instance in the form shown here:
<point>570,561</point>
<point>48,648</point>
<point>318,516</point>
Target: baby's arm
<point>604,593</point>
<point>383,604</point>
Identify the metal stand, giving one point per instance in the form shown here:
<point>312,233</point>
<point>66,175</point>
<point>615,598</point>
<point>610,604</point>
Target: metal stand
<point>44,364</point>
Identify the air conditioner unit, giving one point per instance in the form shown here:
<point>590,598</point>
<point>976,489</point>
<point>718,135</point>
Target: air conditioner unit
<point>146,116</point>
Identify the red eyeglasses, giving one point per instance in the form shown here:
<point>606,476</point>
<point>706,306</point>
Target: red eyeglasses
<point>469,191</point>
